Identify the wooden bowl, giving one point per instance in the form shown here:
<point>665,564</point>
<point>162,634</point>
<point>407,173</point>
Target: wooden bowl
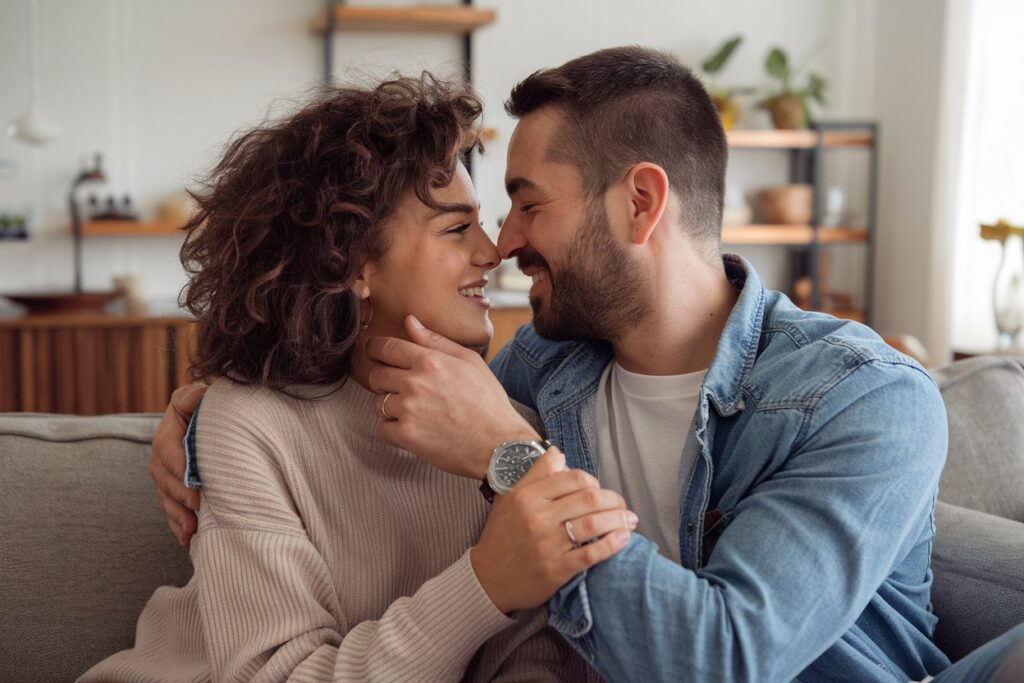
<point>786,205</point>
<point>63,303</point>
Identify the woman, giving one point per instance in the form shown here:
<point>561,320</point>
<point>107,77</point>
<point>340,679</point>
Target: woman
<point>323,553</point>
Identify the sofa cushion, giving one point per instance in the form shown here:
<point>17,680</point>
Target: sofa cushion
<point>978,591</point>
<point>984,399</point>
<point>84,541</point>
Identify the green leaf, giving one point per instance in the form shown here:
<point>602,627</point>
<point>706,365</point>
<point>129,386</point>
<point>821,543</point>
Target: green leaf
<point>717,61</point>
<point>777,65</point>
<point>816,88</point>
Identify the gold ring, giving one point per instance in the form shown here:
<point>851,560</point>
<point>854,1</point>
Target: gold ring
<point>570,534</point>
<point>383,407</point>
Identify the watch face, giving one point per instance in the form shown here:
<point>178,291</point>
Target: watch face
<point>512,461</point>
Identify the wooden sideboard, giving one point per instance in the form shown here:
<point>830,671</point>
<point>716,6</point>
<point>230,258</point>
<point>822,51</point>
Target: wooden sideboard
<point>92,364</point>
<point>99,364</point>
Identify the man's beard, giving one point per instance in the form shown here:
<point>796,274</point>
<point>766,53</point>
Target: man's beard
<point>597,293</point>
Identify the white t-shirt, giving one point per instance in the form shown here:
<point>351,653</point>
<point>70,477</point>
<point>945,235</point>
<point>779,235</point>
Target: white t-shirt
<point>645,446</point>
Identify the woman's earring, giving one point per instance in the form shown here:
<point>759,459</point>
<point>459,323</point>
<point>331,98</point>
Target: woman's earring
<point>363,292</point>
<point>369,317</point>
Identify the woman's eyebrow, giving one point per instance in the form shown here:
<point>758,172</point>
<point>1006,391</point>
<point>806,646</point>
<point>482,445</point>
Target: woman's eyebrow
<point>454,208</point>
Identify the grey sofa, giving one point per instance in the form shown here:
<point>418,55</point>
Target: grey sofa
<point>84,543</point>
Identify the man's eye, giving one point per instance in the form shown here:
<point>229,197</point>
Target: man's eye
<point>526,208</point>
<point>458,230</point>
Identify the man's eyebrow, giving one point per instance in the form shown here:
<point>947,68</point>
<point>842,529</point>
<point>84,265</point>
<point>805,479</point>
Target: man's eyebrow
<point>516,184</point>
<point>454,208</point>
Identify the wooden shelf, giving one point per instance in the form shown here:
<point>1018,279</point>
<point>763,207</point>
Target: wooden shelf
<point>789,234</point>
<point>415,19</point>
<point>796,139</point>
<point>130,229</point>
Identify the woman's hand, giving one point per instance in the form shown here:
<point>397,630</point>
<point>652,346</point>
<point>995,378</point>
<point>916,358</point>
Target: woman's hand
<point>167,463</point>
<point>525,555</point>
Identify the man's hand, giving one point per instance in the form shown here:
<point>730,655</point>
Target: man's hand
<point>524,554</point>
<point>447,406</point>
<point>167,463</point>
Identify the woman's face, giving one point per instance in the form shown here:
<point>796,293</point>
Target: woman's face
<point>435,267</point>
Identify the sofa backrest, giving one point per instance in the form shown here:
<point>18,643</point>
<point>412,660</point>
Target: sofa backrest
<point>984,470</point>
<point>978,552</point>
<point>84,541</point>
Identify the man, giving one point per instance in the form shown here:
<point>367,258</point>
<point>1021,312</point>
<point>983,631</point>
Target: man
<point>783,464</point>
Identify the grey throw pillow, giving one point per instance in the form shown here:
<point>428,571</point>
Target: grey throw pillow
<point>978,593</point>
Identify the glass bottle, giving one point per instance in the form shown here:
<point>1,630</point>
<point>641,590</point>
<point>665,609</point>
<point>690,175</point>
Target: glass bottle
<point>1008,291</point>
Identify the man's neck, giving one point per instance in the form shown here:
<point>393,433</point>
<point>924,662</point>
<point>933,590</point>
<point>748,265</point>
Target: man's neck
<point>691,302</point>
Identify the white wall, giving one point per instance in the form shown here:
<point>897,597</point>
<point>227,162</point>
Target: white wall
<point>911,250</point>
<point>158,87</point>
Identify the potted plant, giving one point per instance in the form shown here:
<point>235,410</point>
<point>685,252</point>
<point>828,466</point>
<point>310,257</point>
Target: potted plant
<point>788,106</point>
<point>723,98</point>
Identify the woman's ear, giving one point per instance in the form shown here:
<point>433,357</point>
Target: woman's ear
<point>648,189</point>
<point>362,283</point>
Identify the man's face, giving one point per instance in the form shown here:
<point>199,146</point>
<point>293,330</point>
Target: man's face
<point>585,283</point>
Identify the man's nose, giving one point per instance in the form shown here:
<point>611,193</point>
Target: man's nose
<point>510,238</point>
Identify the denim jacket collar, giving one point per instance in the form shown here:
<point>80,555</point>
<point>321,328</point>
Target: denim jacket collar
<point>738,345</point>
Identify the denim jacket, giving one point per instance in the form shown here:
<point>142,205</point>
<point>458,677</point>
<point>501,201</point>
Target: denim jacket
<point>805,526</point>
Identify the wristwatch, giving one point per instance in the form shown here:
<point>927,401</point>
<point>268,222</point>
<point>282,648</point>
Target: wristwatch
<point>509,462</point>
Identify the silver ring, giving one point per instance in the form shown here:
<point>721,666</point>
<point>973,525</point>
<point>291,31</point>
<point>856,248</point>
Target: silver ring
<point>384,407</point>
<point>570,534</point>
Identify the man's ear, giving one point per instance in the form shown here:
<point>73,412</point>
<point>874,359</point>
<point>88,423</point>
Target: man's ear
<point>648,189</point>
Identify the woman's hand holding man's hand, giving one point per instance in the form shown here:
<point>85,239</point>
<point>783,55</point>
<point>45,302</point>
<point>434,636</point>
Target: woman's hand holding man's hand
<point>525,555</point>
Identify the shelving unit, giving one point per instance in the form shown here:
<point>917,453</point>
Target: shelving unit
<point>457,20</point>
<point>807,149</point>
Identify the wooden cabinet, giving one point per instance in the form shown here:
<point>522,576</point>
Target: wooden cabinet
<point>92,365</point>
<point>95,365</point>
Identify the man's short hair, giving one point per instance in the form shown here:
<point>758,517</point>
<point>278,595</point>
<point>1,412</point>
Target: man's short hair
<point>627,105</point>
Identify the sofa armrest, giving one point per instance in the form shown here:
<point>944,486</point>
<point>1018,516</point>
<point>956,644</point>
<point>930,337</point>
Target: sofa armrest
<point>978,590</point>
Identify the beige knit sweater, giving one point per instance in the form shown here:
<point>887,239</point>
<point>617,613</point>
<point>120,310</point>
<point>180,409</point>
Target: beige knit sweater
<point>323,554</point>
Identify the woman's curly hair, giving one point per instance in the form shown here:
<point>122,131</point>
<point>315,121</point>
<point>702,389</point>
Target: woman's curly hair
<point>293,211</point>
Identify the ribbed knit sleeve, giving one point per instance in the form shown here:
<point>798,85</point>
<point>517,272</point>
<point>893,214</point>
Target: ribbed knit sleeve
<point>267,599</point>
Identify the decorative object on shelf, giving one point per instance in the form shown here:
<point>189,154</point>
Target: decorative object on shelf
<point>724,98</point>
<point>736,210</point>
<point>786,205</point>
<point>788,106</point>
<point>76,301</point>
<point>111,210</point>
<point>177,209</point>
<point>133,287</point>
<point>32,127</point>
<point>835,208</point>
<point>1008,285</point>
<point>13,226</point>
<point>86,175</point>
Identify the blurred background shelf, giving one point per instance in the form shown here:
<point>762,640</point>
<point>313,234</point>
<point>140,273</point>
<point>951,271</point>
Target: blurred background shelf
<point>790,234</point>
<point>798,139</point>
<point>130,229</point>
<point>422,19</point>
